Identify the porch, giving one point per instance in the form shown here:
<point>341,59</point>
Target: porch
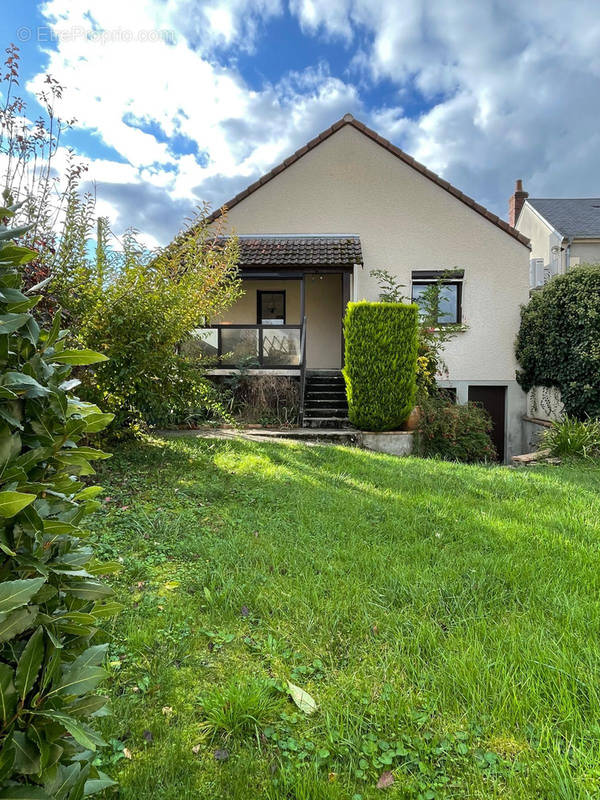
<point>296,289</point>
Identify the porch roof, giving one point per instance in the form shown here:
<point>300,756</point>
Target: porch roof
<point>300,250</point>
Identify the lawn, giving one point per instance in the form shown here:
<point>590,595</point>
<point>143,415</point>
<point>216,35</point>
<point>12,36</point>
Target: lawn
<point>445,619</point>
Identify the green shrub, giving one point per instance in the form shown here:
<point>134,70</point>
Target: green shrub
<point>140,315</point>
<point>51,600</point>
<point>380,363</point>
<point>454,432</point>
<point>559,340</point>
<point>573,437</point>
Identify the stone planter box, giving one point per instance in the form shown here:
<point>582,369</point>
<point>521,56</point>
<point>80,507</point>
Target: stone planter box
<point>395,443</point>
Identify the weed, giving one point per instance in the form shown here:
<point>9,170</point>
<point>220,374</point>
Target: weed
<point>239,708</point>
<point>573,437</point>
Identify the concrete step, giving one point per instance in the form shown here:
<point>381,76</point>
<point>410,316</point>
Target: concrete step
<point>326,422</point>
<point>326,411</point>
<point>320,373</point>
<point>334,435</point>
<point>327,386</point>
<point>313,395</point>
<point>323,402</point>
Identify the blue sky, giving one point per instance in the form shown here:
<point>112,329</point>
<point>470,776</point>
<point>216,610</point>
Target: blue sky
<point>184,101</point>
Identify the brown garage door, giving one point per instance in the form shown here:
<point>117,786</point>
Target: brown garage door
<point>492,398</point>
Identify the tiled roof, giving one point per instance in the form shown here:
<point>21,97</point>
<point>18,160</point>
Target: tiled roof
<point>348,119</point>
<point>289,251</point>
<point>573,217</point>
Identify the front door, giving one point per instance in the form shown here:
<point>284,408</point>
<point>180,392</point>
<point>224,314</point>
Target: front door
<point>323,321</point>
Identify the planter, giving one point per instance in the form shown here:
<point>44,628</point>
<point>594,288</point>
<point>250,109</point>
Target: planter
<point>413,421</point>
<point>394,443</point>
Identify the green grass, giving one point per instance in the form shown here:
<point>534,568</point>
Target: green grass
<point>445,618</point>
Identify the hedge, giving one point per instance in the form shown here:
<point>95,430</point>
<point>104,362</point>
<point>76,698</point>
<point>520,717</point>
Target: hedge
<point>380,363</point>
<point>559,340</point>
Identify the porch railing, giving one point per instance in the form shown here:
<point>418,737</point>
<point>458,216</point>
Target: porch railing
<point>263,346</point>
<point>302,372</point>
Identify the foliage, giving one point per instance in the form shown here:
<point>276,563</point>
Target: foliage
<point>140,317</point>
<point>51,600</point>
<point>454,432</point>
<point>559,340</point>
<point>132,304</point>
<point>573,437</point>
<point>396,592</point>
<point>239,708</point>
<point>390,290</point>
<point>29,151</point>
<point>380,363</point>
<point>433,336</point>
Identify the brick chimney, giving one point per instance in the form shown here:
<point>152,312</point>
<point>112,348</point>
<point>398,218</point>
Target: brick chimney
<point>516,202</point>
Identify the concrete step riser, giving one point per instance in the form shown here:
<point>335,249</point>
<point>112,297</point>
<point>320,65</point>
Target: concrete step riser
<point>326,411</point>
<point>328,402</point>
<point>325,387</point>
<point>331,413</point>
<point>311,397</point>
<point>321,436</point>
<point>327,422</point>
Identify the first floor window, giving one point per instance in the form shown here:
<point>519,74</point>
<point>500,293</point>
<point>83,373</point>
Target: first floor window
<point>448,300</point>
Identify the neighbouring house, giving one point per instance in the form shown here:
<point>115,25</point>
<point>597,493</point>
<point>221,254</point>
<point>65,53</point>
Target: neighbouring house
<point>312,229</point>
<point>564,232</point>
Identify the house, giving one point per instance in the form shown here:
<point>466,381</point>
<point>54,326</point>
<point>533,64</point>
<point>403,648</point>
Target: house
<point>348,202</point>
<point>564,232</point>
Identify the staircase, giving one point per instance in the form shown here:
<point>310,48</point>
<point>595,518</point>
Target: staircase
<point>325,404</point>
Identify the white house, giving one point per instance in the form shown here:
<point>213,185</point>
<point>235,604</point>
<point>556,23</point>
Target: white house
<point>564,232</point>
<point>348,202</point>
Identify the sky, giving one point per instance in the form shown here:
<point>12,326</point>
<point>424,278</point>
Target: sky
<point>180,102</point>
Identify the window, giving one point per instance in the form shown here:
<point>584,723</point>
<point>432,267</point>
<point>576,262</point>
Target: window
<point>450,311</point>
<point>270,308</point>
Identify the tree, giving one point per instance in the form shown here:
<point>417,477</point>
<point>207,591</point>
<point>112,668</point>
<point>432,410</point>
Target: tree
<point>559,340</point>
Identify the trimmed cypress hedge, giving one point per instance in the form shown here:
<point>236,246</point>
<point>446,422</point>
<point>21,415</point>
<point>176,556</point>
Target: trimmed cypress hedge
<point>380,363</point>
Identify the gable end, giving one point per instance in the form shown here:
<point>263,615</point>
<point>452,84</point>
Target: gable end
<point>348,119</point>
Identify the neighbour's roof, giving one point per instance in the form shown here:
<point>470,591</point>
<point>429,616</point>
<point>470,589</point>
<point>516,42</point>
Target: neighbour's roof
<point>299,250</point>
<point>574,217</point>
<point>348,119</point>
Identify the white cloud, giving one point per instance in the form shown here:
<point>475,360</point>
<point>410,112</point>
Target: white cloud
<point>138,94</point>
<point>510,90</point>
<point>514,87</point>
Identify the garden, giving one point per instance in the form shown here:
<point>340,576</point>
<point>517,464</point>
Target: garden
<point>190,616</point>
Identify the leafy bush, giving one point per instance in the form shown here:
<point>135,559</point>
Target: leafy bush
<point>380,363</point>
<point>559,340</point>
<point>454,432</point>
<point>51,600</point>
<point>573,437</point>
<point>140,313</point>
